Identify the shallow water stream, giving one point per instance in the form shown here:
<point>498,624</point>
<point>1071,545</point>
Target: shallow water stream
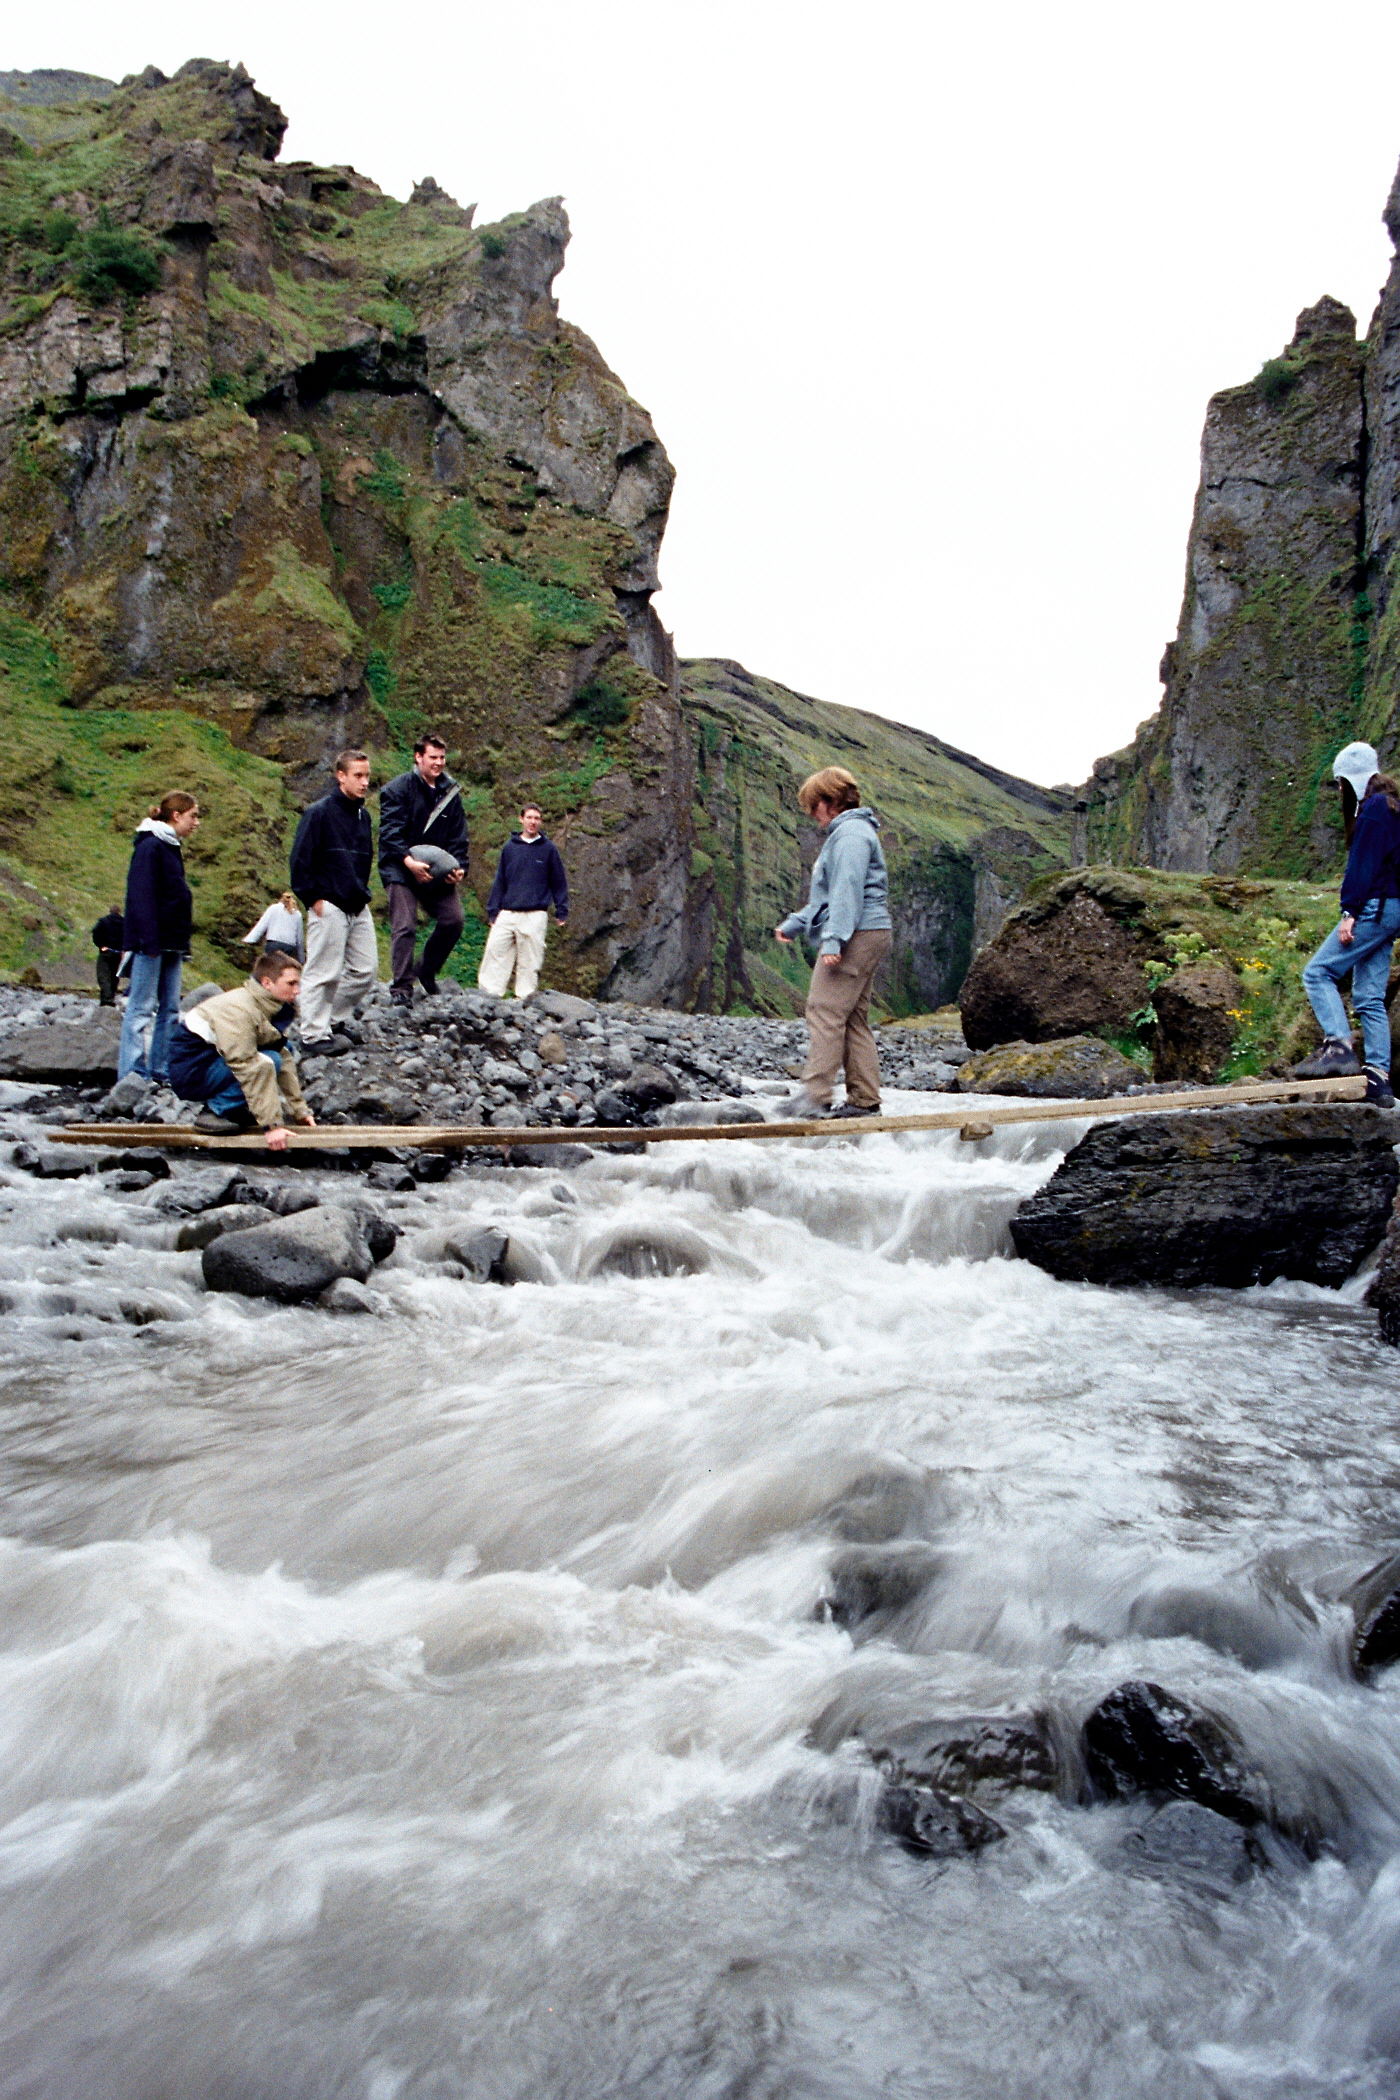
<point>436,1706</point>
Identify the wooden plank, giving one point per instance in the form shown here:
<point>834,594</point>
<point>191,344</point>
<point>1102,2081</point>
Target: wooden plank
<point>454,1137</point>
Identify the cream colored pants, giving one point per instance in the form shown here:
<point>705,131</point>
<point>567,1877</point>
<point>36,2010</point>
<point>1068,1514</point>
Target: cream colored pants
<point>838,1023</point>
<point>516,941</point>
<point>342,962</point>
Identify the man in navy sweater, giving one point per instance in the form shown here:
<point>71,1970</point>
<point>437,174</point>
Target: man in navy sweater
<point>332,856</point>
<point>529,878</point>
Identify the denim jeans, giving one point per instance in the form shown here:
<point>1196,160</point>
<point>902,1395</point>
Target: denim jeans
<point>226,1096</point>
<point>1368,959</point>
<point>152,1003</point>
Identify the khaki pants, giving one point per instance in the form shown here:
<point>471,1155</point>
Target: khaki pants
<point>838,1026</point>
<point>342,962</point>
<point>516,940</point>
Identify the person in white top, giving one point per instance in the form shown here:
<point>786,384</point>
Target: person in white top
<point>280,930</point>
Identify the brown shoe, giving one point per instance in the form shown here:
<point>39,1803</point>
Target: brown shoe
<point>849,1110</point>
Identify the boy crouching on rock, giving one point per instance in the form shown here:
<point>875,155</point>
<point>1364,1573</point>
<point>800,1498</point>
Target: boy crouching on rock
<point>231,1053</point>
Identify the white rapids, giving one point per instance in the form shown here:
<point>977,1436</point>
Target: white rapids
<point>437,1705</point>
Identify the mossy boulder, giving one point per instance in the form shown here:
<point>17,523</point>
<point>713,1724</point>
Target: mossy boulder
<point>1078,1068</point>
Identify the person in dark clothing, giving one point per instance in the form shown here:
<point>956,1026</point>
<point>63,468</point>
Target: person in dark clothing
<point>158,922</point>
<point>1365,933</point>
<point>332,856</point>
<point>108,940</point>
<point>529,878</point>
<point>422,807</point>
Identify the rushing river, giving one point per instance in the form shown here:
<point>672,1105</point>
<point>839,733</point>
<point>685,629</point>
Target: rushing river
<point>436,1706</point>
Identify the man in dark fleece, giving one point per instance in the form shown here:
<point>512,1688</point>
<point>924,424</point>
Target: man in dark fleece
<point>422,807</point>
<point>529,878</point>
<point>332,856</point>
<point>107,939</point>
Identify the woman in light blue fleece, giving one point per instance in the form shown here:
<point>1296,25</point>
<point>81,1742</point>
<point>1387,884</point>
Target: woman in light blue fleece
<point>847,918</point>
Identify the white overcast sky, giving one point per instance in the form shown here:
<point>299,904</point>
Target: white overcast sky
<point>926,301</point>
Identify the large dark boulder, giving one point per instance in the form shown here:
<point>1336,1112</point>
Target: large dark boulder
<point>1144,1740</point>
<point>65,1053</point>
<point>1195,1028</point>
<point>295,1259</point>
<point>1229,1196</point>
<point>1384,1289</point>
<point>1065,967</point>
<point>1077,1068</point>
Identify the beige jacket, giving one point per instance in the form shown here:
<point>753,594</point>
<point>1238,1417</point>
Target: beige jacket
<point>239,1025</point>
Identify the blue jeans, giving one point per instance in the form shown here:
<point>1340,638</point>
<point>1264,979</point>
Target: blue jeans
<point>1368,959</point>
<point>152,1003</point>
<point>226,1097</point>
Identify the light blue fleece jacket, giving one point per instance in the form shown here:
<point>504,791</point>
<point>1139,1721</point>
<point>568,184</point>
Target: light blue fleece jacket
<point>850,884</point>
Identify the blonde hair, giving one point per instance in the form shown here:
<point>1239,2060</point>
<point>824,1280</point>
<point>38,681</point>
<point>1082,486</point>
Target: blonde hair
<point>834,785</point>
<point>288,901</point>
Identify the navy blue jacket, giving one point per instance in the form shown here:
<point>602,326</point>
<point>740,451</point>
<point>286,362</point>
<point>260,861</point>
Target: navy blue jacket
<point>1373,864</point>
<point>159,914</point>
<point>405,804</point>
<point>529,878</point>
<point>333,852</point>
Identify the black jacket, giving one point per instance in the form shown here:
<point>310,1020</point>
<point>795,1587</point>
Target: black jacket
<point>333,852</point>
<point>405,805</point>
<point>159,914</point>
<point>529,878</point>
<point>1373,864</point>
<point>107,933</point>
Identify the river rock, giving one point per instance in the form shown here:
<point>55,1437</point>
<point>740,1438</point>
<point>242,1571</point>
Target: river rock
<point>57,1162</point>
<point>870,1582</point>
<point>925,1819</point>
<point>1243,1627</point>
<point>211,1225</point>
<point>1195,1033</point>
<point>679,1114</point>
<point>1076,1068</point>
<point>1375,1604</point>
<point>1143,1740</point>
<point>291,1259</point>
<point>204,1188</point>
<point>647,1087</point>
<point>65,1053</point>
<point>346,1296</point>
<point>1185,1841</point>
<point>1383,1290</point>
<point>1230,1196</point>
<point>144,1158</point>
<point>481,1252</point>
<point>973,1753</point>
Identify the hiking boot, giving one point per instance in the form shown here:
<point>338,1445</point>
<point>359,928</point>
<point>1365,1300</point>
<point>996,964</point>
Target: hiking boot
<point>851,1109</point>
<point>1335,1060</point>
<point>427,983</point>
<point>1378,1087</point>
<point>217,1126</point>
<point>401,995</point>
<point>326,1046</point>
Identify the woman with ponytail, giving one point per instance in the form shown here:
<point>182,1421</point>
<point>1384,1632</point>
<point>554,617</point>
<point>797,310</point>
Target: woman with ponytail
<point>158,922</point>
<point>1365,934</point>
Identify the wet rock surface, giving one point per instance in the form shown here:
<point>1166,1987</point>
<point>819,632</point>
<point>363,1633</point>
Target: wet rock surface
<point>1383,1290</point>
<point>940,1825</point>
<point>1229,1196</point>
<point>1375,1604</point>
<point>1142,1739</point>
<point>297,1258</point>
<point>974,1753</point>
<point>1185,1841</point>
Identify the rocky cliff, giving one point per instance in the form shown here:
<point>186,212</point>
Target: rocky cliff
<point>285,463</point>
<point>1268,675</point>
<point>962,839</point>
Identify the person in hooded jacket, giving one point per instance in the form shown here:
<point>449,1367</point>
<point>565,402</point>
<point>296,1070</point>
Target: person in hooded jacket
<point>158,922</point>
<point>847,917</point>
<point>1365,933</point>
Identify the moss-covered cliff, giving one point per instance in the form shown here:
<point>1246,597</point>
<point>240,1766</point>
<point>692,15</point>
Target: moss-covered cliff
<point>962,839</point>
<point>286,463</point>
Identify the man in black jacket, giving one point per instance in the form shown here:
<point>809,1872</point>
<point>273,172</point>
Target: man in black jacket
<point>107,940</point>
<point>422,807</point>
<point>332,855</point>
